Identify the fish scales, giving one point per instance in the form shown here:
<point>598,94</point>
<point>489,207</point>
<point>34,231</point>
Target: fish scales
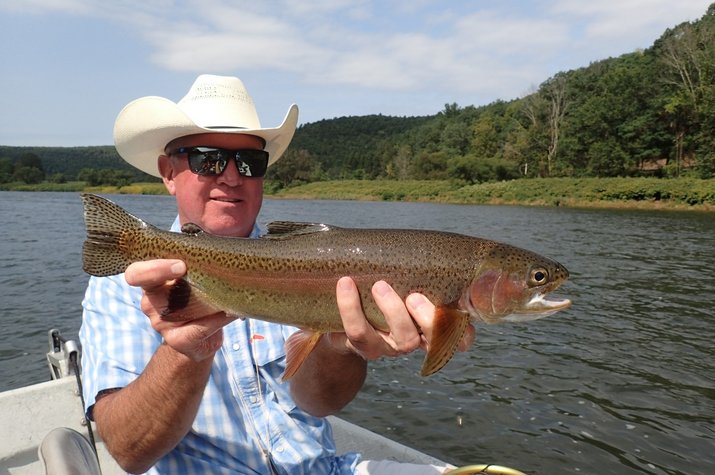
<point>301,281</point>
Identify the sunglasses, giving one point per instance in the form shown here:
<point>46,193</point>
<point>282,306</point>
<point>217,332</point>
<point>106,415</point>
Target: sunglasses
<point>208,161</point>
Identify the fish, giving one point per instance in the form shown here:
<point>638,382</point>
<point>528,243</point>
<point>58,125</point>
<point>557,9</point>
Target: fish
<point>289,275</point>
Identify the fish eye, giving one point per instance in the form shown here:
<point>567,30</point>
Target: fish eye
<point>539,276</point>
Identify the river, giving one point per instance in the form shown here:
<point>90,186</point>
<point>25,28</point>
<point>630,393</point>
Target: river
<point>623,382</point>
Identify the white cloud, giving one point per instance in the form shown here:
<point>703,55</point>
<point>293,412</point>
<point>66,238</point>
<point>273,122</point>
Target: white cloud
<point>404,45</point>
<point>614,20</point>
<point>473,52</point>
<point>469,52</point>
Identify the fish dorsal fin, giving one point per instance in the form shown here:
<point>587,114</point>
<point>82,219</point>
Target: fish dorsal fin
<point>286,229</point>
<point>191,228</point>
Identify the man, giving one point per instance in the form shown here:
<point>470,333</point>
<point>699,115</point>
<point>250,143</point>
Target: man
<point>205,396</point>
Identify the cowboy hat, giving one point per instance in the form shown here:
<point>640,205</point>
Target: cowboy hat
<point>214,104</point>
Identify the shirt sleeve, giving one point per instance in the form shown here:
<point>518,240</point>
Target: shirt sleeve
<point>117,338</point>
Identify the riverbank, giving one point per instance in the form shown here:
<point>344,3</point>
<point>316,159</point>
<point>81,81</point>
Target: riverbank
<point>638,193</point>
<point>628,193</point>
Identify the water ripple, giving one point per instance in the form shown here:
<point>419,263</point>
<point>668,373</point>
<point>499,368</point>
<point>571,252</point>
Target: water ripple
<point>623,382</point>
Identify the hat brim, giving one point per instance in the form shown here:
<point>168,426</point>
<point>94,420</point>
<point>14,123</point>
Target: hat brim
<point>146,125</point>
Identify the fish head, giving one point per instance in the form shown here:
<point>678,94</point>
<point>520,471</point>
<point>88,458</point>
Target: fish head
<point>511,285</point>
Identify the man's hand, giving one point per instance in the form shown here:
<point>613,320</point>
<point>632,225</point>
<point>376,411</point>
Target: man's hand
<point>197,338</point>
<point>335,371</point>
<point>410,322</point>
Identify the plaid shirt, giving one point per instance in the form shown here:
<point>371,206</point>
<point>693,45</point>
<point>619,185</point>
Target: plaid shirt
<point>236,411</point>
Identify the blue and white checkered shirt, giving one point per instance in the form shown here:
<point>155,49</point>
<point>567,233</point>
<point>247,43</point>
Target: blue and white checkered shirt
<point>235,412</point>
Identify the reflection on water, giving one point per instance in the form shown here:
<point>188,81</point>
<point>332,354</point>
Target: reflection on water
<point>623,382</point>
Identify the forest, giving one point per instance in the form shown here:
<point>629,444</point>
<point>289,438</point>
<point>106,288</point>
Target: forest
<point>645,113</point>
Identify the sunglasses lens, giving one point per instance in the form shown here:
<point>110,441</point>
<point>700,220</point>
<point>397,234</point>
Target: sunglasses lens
<point>252,163</point>
<point>207,161</point>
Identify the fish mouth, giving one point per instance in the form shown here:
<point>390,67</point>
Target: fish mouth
<point>537,307</point>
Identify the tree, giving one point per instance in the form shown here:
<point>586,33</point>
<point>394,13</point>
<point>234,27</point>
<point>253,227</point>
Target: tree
<point>485,143</point>
<point>688,54</point>
<point>477,170</point>
<point>29,160</point>
<point>400,166</point>
<point>294,168</point>
<point>554,91</point>
<point>28,169</point>
<point>29,175</point>
<point>529,144</point>
<point>431,165</point>
<point>6,170</point>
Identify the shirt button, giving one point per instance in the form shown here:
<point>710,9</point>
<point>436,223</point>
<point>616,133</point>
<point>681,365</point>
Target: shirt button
<point>279,449</point>
<point>253,399</point>
<point>236,346</point>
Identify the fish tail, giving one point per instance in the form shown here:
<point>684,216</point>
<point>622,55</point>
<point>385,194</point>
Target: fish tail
<point>106,224</point>
<point>450,325</point>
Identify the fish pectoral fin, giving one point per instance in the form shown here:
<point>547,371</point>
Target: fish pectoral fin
<point>287,229</point>
<point>298,346</point>
<point>449,327</point>
<point>186,302</point>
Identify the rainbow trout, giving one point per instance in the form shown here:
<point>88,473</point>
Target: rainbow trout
<point>289,275</point>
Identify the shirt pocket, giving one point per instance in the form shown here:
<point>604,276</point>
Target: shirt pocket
<point>268,342</point>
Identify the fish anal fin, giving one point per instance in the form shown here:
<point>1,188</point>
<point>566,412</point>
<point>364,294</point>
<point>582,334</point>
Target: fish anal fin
<point>186,302</point>
<point>450,324</point>
<point>298,346</point>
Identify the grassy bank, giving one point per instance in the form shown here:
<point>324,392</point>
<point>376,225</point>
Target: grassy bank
<point>678,193</point>
<point>77,186</point>
<point>647,193</point>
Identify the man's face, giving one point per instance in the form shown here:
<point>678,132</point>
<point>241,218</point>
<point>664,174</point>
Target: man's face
<point>225,205</point>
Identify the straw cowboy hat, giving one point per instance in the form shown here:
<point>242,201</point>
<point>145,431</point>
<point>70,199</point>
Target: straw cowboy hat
<point>213,104</point>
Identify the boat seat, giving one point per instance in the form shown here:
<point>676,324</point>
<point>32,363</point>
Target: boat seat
<point>65,451</point>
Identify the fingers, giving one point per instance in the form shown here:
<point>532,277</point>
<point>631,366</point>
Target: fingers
<point>360,336</point>
<point>350,307</point>
<point>154,273</point>
<point>422,310</point>
<point>404,335</point>
<point>199,337</point>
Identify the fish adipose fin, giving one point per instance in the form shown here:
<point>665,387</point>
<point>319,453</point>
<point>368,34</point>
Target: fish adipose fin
<point>288,229</point>
<point>298,346</point>
<point>450,324</point>
<point>106,223</point>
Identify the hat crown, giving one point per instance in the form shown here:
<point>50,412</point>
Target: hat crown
<point>220,102</point>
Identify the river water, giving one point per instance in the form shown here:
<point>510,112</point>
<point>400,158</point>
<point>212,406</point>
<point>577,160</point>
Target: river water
<point>623,382</point>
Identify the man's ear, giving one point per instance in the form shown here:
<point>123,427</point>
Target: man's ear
<point>166,168</point>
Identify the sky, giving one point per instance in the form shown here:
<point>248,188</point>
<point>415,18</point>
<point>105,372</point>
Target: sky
<point>69,66</point>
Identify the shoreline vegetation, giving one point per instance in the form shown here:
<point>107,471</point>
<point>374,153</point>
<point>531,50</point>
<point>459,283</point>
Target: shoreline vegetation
<point>688,194</point>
